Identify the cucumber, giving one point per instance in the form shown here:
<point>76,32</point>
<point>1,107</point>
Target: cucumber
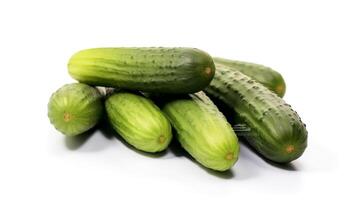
<point>161,70</point>
<point>138,121</point>
<point>276,130</point>
<point>75,108</point>
<point>203,131</point>
<point>270,78</point>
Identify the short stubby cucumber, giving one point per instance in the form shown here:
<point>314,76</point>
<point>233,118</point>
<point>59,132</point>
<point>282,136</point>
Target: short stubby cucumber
<point>75,108</point>
<point>277,131</point>
<point>138,121</point>
<point>203,131</point>
<point>161,70</point>
<point>270,78</point>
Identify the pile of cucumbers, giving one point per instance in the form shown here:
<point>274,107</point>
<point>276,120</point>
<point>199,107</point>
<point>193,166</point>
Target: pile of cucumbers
<point>153,95</point>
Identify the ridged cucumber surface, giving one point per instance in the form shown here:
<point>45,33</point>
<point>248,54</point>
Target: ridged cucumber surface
<point>161,70</point>
<point>138,121</point>
<point>264,75</point>
<point>203,131</point>
<point>277,131</point>
<point>75,108</point>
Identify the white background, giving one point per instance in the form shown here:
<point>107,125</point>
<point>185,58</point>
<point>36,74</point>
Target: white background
<point>312,43</point>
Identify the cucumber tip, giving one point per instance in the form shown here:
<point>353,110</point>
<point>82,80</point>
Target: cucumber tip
<point>290,148</point>
<point>208,71</point>
<point>229,156</point>
<point>67,117</point>
<point>280,89</point>
<point>162,139</point>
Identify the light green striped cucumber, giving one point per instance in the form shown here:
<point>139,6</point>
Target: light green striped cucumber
<point>139,121</point>
<point>270,78</point>
<point>75,108</point>
<point>161,70</point>
<point>203,131</point>
<point>277,131</point>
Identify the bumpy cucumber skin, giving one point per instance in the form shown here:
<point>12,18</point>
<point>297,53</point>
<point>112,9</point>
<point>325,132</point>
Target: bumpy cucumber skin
<point>277,131</point>
<point>203,131</point>
<point>162,70</point>
<point>75,108</point>
<point>270,78</point>
<point>139,121</point>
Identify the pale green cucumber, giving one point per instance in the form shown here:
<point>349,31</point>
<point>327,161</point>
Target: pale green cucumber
<point>75,108</point>
<point>138,121</point>
<point>203,131</point>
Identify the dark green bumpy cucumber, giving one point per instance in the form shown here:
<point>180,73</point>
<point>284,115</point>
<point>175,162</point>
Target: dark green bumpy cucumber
<point>139,121</point>
<point>161,70</point>
<point>203,131</point>
<point>75,108</point>
<point>277,131</point>
<point>264,75</point>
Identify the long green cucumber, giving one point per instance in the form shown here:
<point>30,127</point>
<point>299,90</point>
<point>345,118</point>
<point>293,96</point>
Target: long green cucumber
<point>277,131</point>
<point>264,75</point>
<point>75,108</point>
<point>162,70</point>
<point>138,121</point>
<point>203,131</point>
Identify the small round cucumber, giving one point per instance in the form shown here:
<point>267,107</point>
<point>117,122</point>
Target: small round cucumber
<point>75,108</point>
<point>139,121</point>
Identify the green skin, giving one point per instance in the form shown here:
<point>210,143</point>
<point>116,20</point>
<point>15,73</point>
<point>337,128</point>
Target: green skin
<point>139,121</point>
<point>277,131</point>
<point>203,131</point>
<point>75,108</point>
<point>264,75</point>
<point>161,70</point>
